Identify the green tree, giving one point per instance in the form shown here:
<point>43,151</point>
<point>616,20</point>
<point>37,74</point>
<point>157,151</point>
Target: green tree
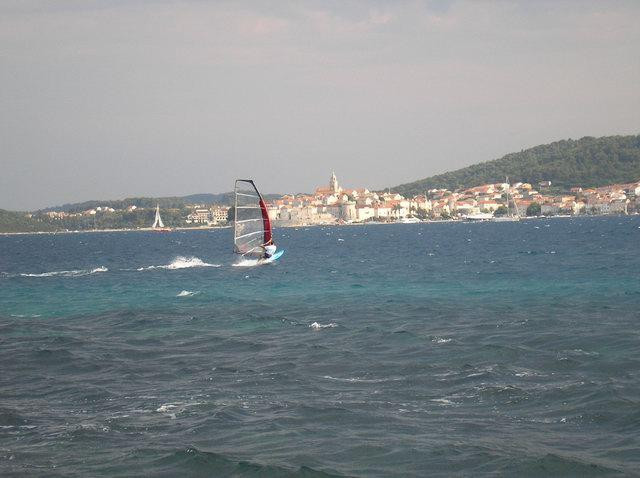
<point>231,214</point>
<point>501,211</point>
<point>534,209</point>
<point>422,213</point>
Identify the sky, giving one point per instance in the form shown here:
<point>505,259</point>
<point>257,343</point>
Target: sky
<point>114,99</point>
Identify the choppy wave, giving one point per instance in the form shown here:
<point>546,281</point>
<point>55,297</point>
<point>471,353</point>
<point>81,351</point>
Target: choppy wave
<point>11,418</point>
<point>443,401</point>
<point>181,262</point>
<point>70,273</point>
<point>430,366</point>
<point>173,409</point>
<point>361,380</point>
<point>194,462</point>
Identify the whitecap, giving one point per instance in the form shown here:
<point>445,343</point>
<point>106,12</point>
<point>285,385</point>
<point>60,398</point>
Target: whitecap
<point>187,293</point>
<point>523,372</point>
<point>173,409</point>
<point>582,352</point>
<point>442,401</point>
<point>166,407</point>
<point>69,273</point>
<point>317,326</point>
<point>181,262</point>
<point>167,410</point>
<point>440,340</point>
<point>358,379</point>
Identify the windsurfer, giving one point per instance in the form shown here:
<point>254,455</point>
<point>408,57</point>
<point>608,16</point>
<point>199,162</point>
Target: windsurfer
<point>269,250</point>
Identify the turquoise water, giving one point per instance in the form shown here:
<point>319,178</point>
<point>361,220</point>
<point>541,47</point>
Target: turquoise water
<point>381,350</point>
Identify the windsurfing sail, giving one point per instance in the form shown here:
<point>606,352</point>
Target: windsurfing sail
<point>252,227</point>
<point>158,221</point>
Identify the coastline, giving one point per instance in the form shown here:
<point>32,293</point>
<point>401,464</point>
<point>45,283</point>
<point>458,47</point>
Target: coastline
<point>85,231</point>
<point>287,226</point>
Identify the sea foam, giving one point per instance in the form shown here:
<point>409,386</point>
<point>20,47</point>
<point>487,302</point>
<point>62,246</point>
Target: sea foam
<point>317,326</point>
<point>70,273</point>
<point>181,262</point>
<point>246,263</point>
<point>440,340</point>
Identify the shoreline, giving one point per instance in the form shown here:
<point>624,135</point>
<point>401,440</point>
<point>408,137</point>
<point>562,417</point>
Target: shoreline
<point>88,231</point>
<point>208,228</point>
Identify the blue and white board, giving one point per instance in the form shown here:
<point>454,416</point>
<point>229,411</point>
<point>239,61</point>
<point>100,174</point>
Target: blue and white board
<point>273,258</point>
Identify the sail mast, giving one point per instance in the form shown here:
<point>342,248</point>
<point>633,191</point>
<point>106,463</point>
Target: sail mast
<point>508,190</point>
<point>235,217</point>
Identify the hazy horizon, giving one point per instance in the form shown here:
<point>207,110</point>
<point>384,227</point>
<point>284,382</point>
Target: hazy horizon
<point>107,100</point>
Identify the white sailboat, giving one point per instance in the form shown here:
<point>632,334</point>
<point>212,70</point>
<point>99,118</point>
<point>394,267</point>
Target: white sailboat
<point>158,225</point>
<point>509,217</point>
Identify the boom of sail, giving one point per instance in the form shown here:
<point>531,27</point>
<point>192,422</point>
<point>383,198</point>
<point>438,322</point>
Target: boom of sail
<point>252,227</point>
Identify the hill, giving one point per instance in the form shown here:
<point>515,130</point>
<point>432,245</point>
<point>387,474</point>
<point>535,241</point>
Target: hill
<point>175,202</point>
<point>587,162</point>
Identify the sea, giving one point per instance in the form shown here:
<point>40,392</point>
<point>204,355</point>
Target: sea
<point>404,350</point>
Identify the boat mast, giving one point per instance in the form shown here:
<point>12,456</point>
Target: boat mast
<point>506,180</point>
<point>235,217</point>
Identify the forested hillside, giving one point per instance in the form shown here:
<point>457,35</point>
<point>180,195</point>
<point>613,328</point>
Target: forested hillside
<point>587,162</point>
<point>19,222</point>
<point>178,202</point>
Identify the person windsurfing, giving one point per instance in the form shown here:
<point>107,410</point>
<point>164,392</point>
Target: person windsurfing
<point>269,249</point>
<point>252,231</point>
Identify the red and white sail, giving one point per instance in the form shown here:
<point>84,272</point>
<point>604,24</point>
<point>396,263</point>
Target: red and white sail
<point>252,227</point>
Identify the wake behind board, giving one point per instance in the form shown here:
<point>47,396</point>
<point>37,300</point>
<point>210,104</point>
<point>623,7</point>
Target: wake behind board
<point>258,262</point>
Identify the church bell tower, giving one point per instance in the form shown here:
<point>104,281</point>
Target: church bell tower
<point>333,183</point>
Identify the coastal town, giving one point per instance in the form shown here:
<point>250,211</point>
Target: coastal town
<point>334,204</point>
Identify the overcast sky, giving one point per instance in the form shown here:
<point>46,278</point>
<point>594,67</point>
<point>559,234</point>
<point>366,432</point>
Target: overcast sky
<point>109,99</point>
